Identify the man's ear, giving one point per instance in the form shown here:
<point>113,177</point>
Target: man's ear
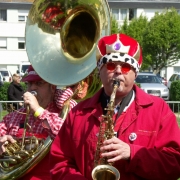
<point>135,75</point>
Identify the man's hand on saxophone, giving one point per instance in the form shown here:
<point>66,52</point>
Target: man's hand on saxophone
<point>115,149</point>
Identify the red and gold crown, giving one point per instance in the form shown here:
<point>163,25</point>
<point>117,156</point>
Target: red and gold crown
<point>119,44</point>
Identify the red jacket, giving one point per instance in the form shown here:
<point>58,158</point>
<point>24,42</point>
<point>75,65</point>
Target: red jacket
<point>155,153</point>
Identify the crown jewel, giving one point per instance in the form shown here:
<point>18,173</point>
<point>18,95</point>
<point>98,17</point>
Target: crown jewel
<point>117,46</point>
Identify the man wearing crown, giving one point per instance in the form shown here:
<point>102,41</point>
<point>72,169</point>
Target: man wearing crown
<point>147,142</point>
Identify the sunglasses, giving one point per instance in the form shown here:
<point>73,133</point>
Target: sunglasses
<point>125,67</point>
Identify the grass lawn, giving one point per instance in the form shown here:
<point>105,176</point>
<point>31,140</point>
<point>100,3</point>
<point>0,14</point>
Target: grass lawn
<point>2,114</point>
<point>178,119</point>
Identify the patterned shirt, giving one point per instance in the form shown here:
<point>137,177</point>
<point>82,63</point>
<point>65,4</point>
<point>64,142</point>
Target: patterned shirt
<point>13,122</point>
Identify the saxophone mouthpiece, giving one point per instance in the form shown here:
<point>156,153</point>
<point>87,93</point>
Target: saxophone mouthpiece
<point>116,82</point>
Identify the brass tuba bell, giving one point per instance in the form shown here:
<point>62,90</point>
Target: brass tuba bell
<point>61,38</point>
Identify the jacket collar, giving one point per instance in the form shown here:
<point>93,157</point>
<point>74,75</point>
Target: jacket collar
<point>141,98</point>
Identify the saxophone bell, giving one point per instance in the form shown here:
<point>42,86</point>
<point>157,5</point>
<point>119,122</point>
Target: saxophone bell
<point>105,172</point>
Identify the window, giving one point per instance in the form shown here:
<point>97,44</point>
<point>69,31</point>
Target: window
<point>3,43</point>
<point>21,18</point>
<point>22,15</point>
<point>115,13</point>
<point>132,14</point>
<point>177,78</point>
<point>121,14</point>
<point>3,15</point>
<point>21,43</point>
<point>172,77</point>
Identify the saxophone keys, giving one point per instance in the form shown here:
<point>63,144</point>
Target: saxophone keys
<point>115,134</point>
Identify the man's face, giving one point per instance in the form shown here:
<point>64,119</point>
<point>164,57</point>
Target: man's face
<point>45,91</point>
<point>126,79</point>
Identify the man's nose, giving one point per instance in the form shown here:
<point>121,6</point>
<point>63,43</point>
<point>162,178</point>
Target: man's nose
<point>118,69</point>
<point>32,87</point>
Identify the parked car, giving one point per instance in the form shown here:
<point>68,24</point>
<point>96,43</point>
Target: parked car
<point>163,80</point>
<point>151,84</point>
<point>174,77</point>
<point>23,68</point>
<point>6,74</point>
<point>2,79</point>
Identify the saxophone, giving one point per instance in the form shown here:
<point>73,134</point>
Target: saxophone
<point>103,169</point>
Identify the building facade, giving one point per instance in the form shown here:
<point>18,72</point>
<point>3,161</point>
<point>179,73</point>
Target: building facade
<point>13,15</point>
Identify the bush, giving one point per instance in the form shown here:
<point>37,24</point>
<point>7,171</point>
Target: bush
<point>138,84</point>
<point>3,90</point>
<point>174,92</point>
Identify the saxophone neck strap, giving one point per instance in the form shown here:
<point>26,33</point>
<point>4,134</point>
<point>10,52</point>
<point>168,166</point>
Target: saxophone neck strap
<point>125,101</point>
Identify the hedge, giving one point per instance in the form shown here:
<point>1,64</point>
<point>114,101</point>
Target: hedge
<point>174,95</point>
<point>174,91</point>
<point>3,90</point>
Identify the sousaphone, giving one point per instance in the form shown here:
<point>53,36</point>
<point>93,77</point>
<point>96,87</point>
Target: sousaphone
<point>61,37</point>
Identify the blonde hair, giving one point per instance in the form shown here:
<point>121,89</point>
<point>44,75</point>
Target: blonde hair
<point>15,77</point>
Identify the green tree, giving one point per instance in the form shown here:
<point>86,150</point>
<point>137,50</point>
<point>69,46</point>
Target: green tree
<point>124,27</point>
<point>136,29</point>
<point>161,40</point>
<point>114,26</point>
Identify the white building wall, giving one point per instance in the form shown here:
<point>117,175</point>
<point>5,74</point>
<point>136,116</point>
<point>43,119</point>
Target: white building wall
<point>140,12</point>
<point>12,57</point>
<point>12,15</point>
<point>12,44</point>
<point>170,71</point>
<point>149,13</point>
<point>13,30</point>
